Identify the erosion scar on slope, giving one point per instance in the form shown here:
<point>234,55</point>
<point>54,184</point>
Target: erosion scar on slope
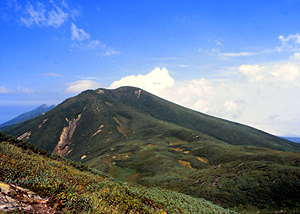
<point>65,137</point>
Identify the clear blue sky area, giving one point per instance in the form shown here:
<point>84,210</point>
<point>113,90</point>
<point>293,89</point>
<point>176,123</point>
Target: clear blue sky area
<point>235,59</point>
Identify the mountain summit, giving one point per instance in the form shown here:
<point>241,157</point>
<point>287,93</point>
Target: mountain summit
<point>139,137</point>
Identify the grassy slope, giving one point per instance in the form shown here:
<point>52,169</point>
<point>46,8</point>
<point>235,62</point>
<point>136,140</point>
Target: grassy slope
<point>226,131</point>
<point>155,143</point>
<point>73,187</point>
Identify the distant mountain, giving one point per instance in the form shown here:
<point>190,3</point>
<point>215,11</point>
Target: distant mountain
<point>293,139</point>
<point>28,115</point>
<point>140,138</point>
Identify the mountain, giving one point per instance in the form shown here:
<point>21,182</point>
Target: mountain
<point>140,138</point>
<point>293,139</point>
<point>28,115</point>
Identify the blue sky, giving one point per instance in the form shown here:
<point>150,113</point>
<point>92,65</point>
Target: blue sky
<point>237,60</point>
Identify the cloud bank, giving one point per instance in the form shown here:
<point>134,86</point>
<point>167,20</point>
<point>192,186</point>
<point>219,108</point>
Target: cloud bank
<point>265,96</point>
<point>19,90</point>
<point>154,82</point>
<point>82,85</point>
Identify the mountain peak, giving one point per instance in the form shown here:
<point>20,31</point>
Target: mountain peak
<point>25,116</point>
<point>136,136</point>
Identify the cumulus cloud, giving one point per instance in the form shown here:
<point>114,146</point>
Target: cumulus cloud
<point>154,82</point>
<point>81,85</point>
<point>78,34</point>
<point>39,15</point>
<point>206,96</point>
<point>251,73</point>
<point>265,96</point>
<point>286,72</point>
<point>296,56</point>
<point>271,72</point>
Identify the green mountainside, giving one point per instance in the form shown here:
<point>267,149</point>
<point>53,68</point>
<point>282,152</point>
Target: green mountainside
<point>64,186</point>
<point>140,138</point>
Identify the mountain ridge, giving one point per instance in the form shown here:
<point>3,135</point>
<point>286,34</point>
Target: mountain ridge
<point>140,138</point>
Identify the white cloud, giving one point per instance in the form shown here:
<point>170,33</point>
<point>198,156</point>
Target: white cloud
<point>111,51</point>
<point>81,85</point>
<point>78,34</point>
<point>24,90</point>
<point>272,72</point>
<point>4,90</point>
<point>56,17</point>
<point>154,82</point>
<point>230,109</point>
<point>166,58</point>
<point>35,16</point>
<point>238,54</point>
<point>183,66</point>
<point>52,74</point>
<point>296,57</point>
<point>265,96</point>
<point>251,73</point>
<point>291,37</point>
<point>286,72</point>
<point>94,44</point>
<point>38,15</point>
<point>289,43</point>
<point>218,43</point>
<point>245,102</point>
<point>19,90</point>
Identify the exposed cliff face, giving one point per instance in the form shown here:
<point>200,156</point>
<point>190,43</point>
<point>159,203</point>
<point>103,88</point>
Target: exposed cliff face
<point>65,137</point>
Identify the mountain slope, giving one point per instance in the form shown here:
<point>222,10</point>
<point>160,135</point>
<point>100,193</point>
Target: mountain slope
<point>25,116</point>
<point>138,137</point>
<point>69,187</point>
<point>229,132</point>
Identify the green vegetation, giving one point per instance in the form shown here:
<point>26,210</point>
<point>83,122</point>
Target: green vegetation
<point>142,139</point>
<point>73,187</point>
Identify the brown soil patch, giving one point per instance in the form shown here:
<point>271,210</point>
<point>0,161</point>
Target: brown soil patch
<point>151,145</point>
<point>177,149</point>
<point>107,103</point>
<point>202,159</point>
<point>185,164</point>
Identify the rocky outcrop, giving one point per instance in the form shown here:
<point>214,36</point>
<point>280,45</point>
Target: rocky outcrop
<point>15,198</point>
